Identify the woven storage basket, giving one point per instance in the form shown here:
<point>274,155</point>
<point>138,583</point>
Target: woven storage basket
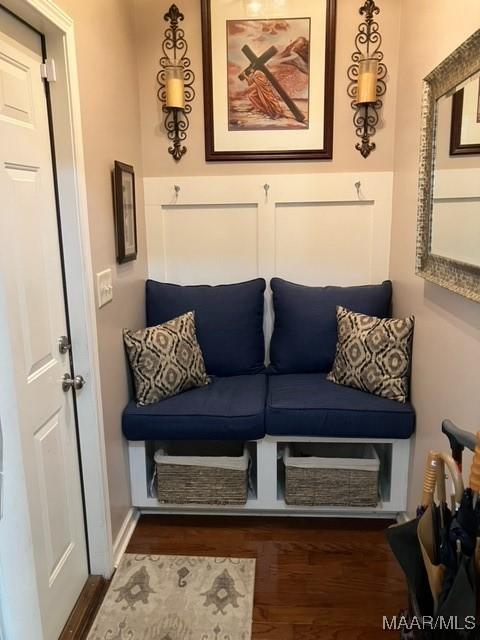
<point>331,475</point>
<point>201,479</point>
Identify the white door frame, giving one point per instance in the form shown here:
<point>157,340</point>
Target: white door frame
<point>58,30</point>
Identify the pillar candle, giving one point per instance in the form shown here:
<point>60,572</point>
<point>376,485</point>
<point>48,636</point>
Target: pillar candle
<point>175,93</point>
<point>367,81</point>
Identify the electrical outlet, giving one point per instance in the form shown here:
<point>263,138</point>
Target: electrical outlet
<point>104,287</point>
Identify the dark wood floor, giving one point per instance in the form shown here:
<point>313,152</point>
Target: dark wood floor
<point>315,579</point>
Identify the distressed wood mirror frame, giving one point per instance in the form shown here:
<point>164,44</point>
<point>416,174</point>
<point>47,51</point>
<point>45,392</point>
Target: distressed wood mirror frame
<point>459,277</point>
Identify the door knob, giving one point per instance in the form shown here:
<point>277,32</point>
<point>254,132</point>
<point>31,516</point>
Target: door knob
<point>76,383</point>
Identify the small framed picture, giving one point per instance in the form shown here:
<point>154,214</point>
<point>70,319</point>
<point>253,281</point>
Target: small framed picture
<point>125,212</point>
<point>465,130</point>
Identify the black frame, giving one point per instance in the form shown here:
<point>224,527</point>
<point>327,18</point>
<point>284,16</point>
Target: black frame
<point>119,213</point>
<point>308,154</point>
<point>456,147</point>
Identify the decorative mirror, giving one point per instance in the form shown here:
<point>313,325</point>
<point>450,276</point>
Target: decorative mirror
<point>448,231</point>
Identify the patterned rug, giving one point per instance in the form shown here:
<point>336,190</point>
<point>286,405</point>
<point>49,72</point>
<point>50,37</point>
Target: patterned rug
<point>177,598</point>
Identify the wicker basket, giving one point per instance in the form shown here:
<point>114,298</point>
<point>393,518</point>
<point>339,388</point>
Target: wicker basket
<point>331,474</point>
<point>219,477</point>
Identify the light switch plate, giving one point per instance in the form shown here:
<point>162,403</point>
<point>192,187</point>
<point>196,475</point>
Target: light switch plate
<point>104,287</point>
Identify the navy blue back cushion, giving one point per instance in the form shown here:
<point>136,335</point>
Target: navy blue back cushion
<point>228,318</point>
<point>305,332</point>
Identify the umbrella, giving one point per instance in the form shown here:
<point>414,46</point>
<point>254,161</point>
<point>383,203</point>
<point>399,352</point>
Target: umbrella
<point>459,439</point>
<point>458,597</point>
<point>447,553</point>
<point>403,541</point>
<point>451,548</point>
<point>460,570</point>
<point>433,529</point>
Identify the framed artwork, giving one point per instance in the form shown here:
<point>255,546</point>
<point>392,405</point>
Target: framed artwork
<point>125,212</point>
<point>465,130</point>
<point>268,79</point>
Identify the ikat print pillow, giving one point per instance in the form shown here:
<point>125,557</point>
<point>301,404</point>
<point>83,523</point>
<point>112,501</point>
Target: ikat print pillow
<point>373,354</point>
<point>165,359</point>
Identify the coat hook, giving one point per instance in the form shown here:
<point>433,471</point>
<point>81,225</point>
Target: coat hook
<point>267,188</point>
<point>358,185</point>
<point>177,191</point>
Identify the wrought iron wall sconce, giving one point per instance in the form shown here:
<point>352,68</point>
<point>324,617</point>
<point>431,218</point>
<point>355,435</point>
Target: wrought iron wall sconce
<point>367,78</point>
<point>176,80</point>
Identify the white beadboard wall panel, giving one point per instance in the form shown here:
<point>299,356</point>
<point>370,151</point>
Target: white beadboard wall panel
<point>312,247</point>
<point>220,242</point>
<point>314,229</point>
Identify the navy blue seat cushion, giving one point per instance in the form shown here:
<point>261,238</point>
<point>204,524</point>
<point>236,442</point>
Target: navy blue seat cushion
<point>309,405</point>
<point>228,319</point>
<point>305,332</point>
<point>231,408</point>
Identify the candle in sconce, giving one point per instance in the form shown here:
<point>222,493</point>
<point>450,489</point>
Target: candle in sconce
<point>175,86</point>
<point>367,81</point>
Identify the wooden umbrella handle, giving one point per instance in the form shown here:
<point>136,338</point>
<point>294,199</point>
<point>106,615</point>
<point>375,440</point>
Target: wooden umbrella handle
<point>475,468</point>
<point>430,478</point>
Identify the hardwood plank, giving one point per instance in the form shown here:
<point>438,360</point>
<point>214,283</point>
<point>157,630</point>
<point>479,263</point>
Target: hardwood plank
<point>305,632</point>
<point>263,631</point>
<point>315,578</point>
<point>85,610</point>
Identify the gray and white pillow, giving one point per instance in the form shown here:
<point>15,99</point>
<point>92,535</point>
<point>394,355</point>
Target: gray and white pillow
<point>373,354</point>
<point>165,359</point>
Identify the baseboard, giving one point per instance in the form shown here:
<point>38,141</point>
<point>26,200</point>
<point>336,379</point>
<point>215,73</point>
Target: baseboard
<point>85,610</point>
<point>124,535</point>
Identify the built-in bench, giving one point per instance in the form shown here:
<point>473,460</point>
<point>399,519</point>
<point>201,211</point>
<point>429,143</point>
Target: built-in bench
<point>292,401</point>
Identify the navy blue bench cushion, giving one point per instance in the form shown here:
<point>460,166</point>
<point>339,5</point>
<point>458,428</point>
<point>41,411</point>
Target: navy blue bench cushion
<point>309,405</point>
<point>304,338</point>
<point>231,408</point>
<point>228,318</point>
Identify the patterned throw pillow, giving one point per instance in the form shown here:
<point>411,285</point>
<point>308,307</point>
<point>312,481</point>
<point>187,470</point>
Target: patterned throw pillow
<point>165,359</point>
<point>373,354</point>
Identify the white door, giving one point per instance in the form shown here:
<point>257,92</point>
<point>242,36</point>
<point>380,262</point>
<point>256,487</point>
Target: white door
<point>30,271</point>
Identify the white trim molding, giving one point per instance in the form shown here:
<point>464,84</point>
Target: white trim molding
<point>123,538</point>
<point>319,203</point>
<point>266,497</point>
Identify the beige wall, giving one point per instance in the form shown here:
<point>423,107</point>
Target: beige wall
<point>111,131</point>
<point>156,160</point>
<point>446,371</point>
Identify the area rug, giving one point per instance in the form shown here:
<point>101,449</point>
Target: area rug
<point>177,598</point>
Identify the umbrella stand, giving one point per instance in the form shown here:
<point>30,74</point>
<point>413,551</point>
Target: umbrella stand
<point>433,528</point>
<point>459,591</point>
<point>403,541</point>
<point>475,487</point>
<point>465,579</point>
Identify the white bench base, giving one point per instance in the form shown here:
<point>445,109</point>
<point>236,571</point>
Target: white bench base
<point>268,499</point>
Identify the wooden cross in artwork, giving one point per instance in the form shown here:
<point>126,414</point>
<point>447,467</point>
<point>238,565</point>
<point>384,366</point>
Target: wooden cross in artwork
<point>260,64</point>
